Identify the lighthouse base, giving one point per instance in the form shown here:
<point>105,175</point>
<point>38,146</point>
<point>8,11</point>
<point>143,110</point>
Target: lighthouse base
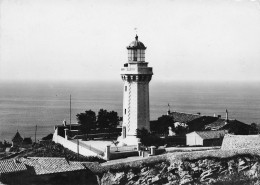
<point>128,140</point>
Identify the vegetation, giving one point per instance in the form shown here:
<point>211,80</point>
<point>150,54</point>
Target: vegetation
<point>105,120</point>
<point>149,139</point>
<point>115,142</point>
<point>161,126</point>
<point>87,120</point>
<point>48,137</point>
<point>254,129</point>
<point>51,149</point>
<point>181,131</point>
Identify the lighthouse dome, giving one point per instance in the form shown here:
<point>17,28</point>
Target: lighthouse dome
<point>136,44</point>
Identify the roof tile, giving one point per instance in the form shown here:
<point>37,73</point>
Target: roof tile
<point>11,166</point>
<point>51,165</point>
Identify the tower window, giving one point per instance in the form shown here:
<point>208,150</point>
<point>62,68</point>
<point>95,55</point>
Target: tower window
<point>125,111</point>
<point>125,88</point>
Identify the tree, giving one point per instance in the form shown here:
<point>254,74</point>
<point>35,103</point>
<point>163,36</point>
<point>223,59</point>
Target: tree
<point>161,126</point>
<point>113,120</point>
<point>181,131</point>
<point>107,120</point>
<point>148,139</point>
<point>87,120</point>
<point>115,142</point>
<point>102,119</point>
<point>48,137</point>
<point>253,128</point>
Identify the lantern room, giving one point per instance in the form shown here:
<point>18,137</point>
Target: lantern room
<point>136,51</point>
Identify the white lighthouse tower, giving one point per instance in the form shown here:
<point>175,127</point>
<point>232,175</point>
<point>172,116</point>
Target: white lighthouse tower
<point>136,76</point>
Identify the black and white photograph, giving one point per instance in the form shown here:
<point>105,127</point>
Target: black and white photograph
<point>130,92</point>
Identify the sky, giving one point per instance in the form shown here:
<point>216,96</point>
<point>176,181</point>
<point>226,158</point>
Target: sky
<point>77,40</point>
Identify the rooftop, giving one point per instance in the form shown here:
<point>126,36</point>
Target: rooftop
<point>49,165</point>
<point>11,166</point>
<point>183,117</point>
<point>17,137</point>
<point>136,44</point>
<point>210,134</point>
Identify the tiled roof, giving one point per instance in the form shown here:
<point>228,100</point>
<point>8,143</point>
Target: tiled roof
<point>183,117</point>
<point>221,123</point>
<point>17,137</point>
<point>11,166</point>
<point>49,165</point>
<point>211,134</point>
<point>217,124</point>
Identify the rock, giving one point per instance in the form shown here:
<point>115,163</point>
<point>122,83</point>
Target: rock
<point>153,172</point>
<point>130,175</point>
<point>107,179</point>
<point>205,173</point>
<point>164,170</point>
<point>243,168</point>
<point>241,162</point>
<point>212,181</point>
<point>155,179</point>
<point>253,171</point>
<point>120,178</point>
<point>172,169</point>
<point>183,173</point>
<point>144,169</point>
<point>186,180</point>
<point>172,177</point>
<point>206,176</point>
<point>193,165</point>
<point>223,172</point>
<point>195,169</point>
<point>110,178</point>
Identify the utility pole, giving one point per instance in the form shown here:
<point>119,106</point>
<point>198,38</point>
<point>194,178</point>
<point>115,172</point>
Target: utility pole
<point>78,145</point>
<point>70,111</point>
<point>35,134</point>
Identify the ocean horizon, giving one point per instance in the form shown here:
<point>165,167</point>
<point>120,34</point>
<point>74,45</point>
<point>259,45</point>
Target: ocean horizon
<point>23,105</point>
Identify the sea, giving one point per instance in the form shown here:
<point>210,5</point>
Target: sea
<point>34,108</point>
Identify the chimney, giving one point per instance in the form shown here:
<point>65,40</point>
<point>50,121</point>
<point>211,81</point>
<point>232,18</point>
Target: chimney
<point>226,121</point>
<point>169,111</point>
<point>226,115</point>
<point>64,122</point>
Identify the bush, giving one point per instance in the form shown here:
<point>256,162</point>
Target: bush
<point>149,139</point>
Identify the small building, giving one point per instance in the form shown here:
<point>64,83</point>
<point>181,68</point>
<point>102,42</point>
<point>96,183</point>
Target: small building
<point>17,140</point>
<point>12,169</point>
<point>205,138</point>
<point>45,170</point>
<point>27,142</point>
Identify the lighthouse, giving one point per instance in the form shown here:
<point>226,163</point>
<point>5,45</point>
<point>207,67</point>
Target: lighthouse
<point>136,76</point>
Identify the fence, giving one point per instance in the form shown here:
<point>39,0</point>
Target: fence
<point>123,148</point>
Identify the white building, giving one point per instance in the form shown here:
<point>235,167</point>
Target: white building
<point>136,76</point>
<point>205,138</point>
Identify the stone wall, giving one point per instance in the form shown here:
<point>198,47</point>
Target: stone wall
<point>231,142</point>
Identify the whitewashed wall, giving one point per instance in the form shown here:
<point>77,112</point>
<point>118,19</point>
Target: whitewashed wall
<point>193,139</point>
<point>72,146</point>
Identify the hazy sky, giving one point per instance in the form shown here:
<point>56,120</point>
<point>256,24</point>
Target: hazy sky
<point>86,40</point>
